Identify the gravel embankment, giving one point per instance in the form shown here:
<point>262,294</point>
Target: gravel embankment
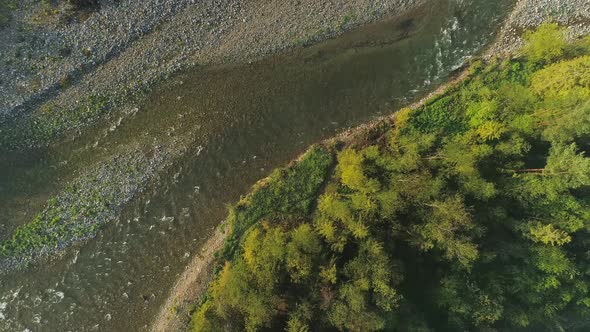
<point>129,45</point>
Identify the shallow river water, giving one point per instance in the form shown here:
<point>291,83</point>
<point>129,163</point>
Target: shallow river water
<point>236,122</point>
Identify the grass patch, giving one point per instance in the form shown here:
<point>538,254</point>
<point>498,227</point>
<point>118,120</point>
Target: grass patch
<point>287,193</point>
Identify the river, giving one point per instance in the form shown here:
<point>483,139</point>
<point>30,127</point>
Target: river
<point>234,124</point>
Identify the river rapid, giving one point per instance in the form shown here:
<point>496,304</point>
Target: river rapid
<point>227,127</point>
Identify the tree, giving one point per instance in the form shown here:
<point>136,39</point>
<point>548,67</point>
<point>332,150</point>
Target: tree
<point>351,170</point>
<point>563,78</point>
<point>548,234</point>
<point>234,292</point>
<point>569,168</point>
<point>302,252</point>
<point>462,160</point>
<point>350,313</point>
<point>299,319</point>
<point>567,125</point>
<point>468,304</point>
<point>545,44</point>
<point>446,224</point>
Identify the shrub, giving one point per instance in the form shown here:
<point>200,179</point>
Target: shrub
<point>545,44</point>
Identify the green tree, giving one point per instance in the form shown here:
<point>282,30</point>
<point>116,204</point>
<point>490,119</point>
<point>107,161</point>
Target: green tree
<point>302,252</point>
<point>300,318</point>
<point>447,225</point>
<point>351,169</point>
<point>546,43</point>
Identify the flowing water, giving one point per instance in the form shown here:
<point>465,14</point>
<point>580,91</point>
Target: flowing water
<point>234,124</point>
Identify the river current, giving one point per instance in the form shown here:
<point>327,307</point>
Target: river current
<point>237,122</point>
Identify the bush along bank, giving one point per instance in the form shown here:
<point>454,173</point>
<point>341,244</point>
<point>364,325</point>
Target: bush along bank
<point>471,212</point>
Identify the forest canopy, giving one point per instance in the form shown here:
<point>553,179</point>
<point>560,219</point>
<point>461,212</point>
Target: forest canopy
<point>471,212</point>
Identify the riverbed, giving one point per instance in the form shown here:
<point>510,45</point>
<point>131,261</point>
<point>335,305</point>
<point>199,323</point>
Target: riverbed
<point>225,127</point>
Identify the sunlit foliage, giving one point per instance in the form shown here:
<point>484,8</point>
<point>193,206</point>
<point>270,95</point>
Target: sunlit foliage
<point>545,44</point>
<point>471,213</point>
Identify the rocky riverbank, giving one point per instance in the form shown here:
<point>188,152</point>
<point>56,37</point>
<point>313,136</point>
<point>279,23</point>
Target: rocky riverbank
<point>127,46</point>
<point>175,313</point>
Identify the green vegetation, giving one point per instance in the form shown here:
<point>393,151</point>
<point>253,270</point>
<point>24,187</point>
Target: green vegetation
<point>546,44</point>
<point>64,11</point>
<point>471,213</point>
<point>6,6</point>
<point>287,194</point>
<point>47,123</point>
<point>78,211</point>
